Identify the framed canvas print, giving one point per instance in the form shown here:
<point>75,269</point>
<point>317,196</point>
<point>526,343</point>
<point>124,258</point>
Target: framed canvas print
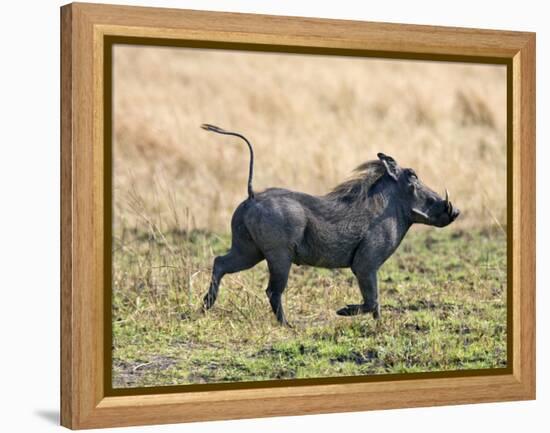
<point>268,216</point>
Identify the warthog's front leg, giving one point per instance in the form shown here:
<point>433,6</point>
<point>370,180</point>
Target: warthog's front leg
<point>356,309</point>
<point>369,289</point>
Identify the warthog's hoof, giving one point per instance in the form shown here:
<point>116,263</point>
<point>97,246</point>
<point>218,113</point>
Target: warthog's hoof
<point>203,309</point>
<point>356,309</point>
<point>352,310</point>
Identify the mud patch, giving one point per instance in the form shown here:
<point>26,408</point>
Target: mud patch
<point>129,373</point>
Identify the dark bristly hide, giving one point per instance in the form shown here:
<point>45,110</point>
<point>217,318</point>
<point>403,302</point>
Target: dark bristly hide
<point>359,224</point>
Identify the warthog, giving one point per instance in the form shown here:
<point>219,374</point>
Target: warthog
<point>359,224</point>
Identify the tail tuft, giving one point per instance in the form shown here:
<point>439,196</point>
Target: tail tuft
<point>212,128</point>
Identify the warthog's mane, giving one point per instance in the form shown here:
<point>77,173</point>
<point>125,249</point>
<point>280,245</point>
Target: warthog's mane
<point>357,188</point>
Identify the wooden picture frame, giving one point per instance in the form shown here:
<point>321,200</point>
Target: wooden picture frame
<point>87,33</point>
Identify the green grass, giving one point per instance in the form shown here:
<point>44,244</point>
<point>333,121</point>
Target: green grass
<point>442,295</point>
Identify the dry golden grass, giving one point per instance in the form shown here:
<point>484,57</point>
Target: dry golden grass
<point>312,119</point>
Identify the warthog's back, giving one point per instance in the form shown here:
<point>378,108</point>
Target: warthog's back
<point>311,228</point>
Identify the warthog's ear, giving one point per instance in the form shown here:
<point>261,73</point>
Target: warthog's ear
<point>391,166</point>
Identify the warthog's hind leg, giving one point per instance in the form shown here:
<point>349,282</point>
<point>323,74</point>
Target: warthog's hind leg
<point>279,267</point>
<point>230,263</point>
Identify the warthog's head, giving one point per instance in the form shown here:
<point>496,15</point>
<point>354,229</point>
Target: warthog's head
<point>425,205</point>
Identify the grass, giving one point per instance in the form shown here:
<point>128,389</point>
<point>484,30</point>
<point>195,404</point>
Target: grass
<point>443,297</point>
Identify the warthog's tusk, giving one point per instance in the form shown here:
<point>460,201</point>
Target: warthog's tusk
<point>448,203</point>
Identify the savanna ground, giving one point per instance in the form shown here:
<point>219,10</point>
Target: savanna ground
<point>311,120</point>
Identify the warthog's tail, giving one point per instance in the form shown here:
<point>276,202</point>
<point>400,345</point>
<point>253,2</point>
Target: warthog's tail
<point>213,128</point>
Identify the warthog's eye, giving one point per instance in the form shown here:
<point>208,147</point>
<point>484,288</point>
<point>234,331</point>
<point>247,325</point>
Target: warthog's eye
<point>430,201</point>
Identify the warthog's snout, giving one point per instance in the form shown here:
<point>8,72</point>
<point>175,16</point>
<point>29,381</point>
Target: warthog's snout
<point>454,214</point>
<point>440,212</point>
